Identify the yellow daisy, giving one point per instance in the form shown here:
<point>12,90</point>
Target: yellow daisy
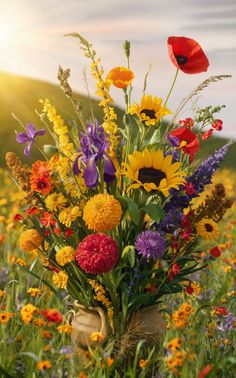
<point>150,110</point>
<point>207,229</point>
<point>153,171</point>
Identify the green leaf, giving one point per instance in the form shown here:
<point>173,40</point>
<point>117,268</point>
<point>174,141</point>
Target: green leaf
<point>5,373</point>
<point>154,211</point>
<point>132,209</point>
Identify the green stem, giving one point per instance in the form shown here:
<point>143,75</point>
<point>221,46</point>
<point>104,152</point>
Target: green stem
<point>172,86</point>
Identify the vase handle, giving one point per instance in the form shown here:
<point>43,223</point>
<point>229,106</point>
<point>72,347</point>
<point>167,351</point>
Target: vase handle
<point>102,315</point>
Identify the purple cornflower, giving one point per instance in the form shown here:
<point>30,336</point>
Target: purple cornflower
<point>29,137</point>
<point>94,146</point>
<point>66,350</point>
<point>150,244</point>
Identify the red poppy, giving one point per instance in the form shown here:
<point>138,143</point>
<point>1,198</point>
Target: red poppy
<point>221,310</point>
<point>41,184</point>
<point>187,122</point>
<point>18,217</point>
<point>189,142</point>
<point>187,55</point>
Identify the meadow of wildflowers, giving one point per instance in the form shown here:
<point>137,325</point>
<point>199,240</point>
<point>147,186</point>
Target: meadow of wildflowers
<point>123,224</point>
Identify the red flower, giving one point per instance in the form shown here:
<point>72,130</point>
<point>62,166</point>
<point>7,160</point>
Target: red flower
<point>33,210</point>
<point>53,315</point>
<point>174,270</point>
<point>18,217</point>
<point>69,232</point>
<point>216,252</point>
<point>221,310</point>
<point>48,219</point>
<point>187,55</point>
<point>187,122</point>
<point>189,290</point>
<point>97,253</point>
<point>151,288</point>
<point>189,188</point>
<point>57,231</point>
<point>205,371</point>
<point>217,124</point>
<point>189,142</point>
<point>41,168</point>
<point>207,134</point>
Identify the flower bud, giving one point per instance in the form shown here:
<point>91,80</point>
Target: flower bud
<point>50,150</point>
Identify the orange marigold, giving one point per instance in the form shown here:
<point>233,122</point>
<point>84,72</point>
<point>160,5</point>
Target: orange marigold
<point>102,213</point>
<point>120,77</point>
<point>30,240</point>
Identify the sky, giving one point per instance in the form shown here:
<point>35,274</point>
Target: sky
<point>32,43</point>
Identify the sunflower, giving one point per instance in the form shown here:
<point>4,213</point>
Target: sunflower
<point>153,171</point>
<point>207,229</point>
<point>150,111</point>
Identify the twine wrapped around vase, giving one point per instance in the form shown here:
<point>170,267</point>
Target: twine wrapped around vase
<point>148,325</point>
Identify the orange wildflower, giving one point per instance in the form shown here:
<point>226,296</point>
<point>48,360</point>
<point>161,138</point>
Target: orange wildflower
<point>120,77</point>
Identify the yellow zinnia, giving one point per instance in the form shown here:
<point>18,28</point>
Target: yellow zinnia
<point>153,171</point>
<point>102,213</point>
<point>65,255</point>
<point>55,201</point>
<point>120,77</point>
<point>208,229</point>
<point>150,110</point>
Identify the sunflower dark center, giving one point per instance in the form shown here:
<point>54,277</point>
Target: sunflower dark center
<point>149,113</point>
<point>208,227</point>
<point>181,59</point>
<point>151,175</point>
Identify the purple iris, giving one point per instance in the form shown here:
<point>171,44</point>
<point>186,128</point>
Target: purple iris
<point>94,146</point>
<point>29,137</point>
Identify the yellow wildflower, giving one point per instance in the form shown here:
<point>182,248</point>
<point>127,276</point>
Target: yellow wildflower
<point>2,293</point>
<point>21,262</point>
<point>65,255</point>
<point>44,364</point>
<point>60,279</point>
<point>33,291</point>
<point>96,337</point>
<point>69,215</point>
<point>55,201</point>
<point>5,317</point>
<point>143,363</point>
<point>64,328</point>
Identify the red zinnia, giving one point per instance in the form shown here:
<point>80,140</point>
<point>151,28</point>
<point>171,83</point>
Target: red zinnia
<point>53,315</point>
<point>189,142</point>
<point>187,55</point>
<point>97,253</point>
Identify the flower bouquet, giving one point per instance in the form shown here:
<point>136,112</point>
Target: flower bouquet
<point>109,207</point>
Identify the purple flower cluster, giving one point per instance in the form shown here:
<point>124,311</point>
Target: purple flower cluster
<point>94,146</point>
<point>150,244</point>
<point>181,200</point>
<point>226,324</point>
